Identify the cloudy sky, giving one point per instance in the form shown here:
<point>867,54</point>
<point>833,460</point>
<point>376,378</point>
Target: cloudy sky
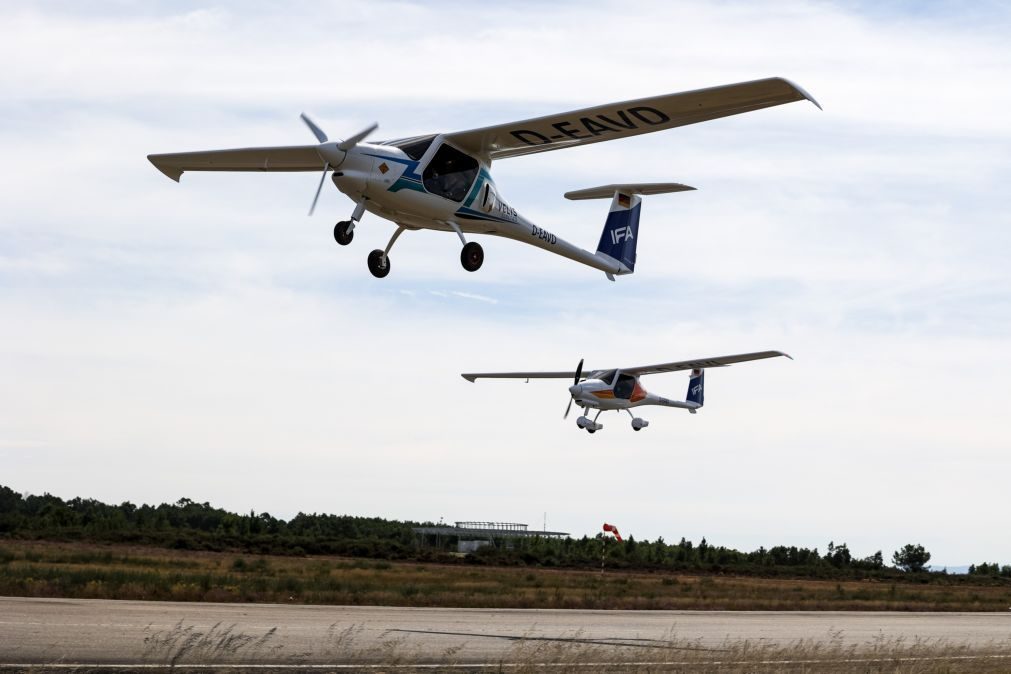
<point>207,339</point>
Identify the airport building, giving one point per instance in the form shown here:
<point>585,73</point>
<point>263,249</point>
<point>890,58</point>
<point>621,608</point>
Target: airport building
<point>470,536</point>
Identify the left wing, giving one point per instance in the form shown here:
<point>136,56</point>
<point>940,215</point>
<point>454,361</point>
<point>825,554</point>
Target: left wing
<point>519,375</point>
<point>702,363</point>
<point>629,118</point>
<point>284,158</point>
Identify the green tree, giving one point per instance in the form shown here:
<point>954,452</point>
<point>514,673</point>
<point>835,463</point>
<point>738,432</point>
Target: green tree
<point>911,557</point>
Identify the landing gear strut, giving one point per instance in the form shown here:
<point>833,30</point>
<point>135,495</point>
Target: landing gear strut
<point>472,255</point>
<point>344,231</point>
<point>379,260</point>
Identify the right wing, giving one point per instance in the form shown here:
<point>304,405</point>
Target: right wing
<point>628,118</point>
<point>519,375</point>
<point>283,158</point>
<point>702,363</point>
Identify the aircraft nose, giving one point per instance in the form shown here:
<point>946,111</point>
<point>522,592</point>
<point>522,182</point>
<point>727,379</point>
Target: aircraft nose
<point>575,389</point>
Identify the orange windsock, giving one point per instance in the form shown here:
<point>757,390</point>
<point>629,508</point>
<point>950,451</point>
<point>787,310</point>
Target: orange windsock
<point>612,529</point>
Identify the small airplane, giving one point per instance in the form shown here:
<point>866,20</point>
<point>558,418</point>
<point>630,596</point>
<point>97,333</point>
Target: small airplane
<point>619,389</point>
<point>443,181</point>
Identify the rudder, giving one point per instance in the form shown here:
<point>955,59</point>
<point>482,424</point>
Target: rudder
<point>621,229</point>
<point>696,387</point>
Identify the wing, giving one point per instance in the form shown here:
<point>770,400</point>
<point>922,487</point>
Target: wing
<point>629,118</point>
<point>702,363</point>
<point>472,376</point>
<point>284,158</point>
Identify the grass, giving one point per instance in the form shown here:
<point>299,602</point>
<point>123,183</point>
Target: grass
<point>41,569</point>
<point>183,647</point>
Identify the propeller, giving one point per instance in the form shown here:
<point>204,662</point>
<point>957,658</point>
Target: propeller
<point>343,146</point>
<point>579,373</point>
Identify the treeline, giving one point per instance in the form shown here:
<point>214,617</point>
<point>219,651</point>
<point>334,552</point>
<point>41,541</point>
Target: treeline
<point>190,525</point>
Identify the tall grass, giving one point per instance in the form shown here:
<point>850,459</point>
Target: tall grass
<point>347,645</point>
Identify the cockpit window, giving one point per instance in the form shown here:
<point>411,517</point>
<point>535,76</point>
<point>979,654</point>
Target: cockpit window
<point>415,149</point>
<point>450,173</point>
<point>624,386</point>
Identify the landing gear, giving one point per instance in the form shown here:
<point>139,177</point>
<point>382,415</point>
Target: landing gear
<point>344,232</point>
<point>637,423</point>
<point>379,260</point>
<point>379,263</point>
<point>589,426</point>
<point>472,256</point>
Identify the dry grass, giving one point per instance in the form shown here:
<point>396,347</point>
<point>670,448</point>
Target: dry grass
<point>221,648</point>
<point>123,572</point>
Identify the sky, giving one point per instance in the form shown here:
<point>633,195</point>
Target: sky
<point>209,340</point>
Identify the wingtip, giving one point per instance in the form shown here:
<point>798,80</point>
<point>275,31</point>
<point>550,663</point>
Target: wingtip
<point>803,92</point>
<point>470,378</point>
<point>782,353</point>
<point>170,171</point>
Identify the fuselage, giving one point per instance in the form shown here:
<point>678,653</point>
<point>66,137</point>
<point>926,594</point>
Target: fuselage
<point>615,390</point>
<point>426,183</point>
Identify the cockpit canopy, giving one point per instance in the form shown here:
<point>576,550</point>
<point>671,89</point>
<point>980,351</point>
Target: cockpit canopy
<point>449,173</point>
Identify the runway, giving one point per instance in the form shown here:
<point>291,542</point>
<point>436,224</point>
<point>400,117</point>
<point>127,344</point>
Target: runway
<point>83,631</point>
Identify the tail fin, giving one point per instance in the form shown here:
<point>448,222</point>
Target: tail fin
<point>696,387</point>
<point>621,230</point>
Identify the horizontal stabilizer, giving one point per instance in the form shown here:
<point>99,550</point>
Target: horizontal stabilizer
<point>608,191</point>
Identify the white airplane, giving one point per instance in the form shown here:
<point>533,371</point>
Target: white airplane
<point>442,181</point>
<point>619,389</point>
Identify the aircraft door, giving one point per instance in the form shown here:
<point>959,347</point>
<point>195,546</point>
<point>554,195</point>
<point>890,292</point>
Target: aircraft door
<point>624,386</point>
<point>450,173</point>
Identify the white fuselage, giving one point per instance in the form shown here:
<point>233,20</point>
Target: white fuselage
<point>393,185</point>
<point>617,391</point>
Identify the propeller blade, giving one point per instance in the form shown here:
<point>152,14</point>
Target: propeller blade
<point>349,143</point>
<point>326,167</point>
<point>568,409</point>
<point>579,372</point>
<point>316,131</point>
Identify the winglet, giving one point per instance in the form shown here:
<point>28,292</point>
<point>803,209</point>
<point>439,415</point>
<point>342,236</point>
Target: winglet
<point>469,377</point>
<point>172,172</point>
<point>803,92</point>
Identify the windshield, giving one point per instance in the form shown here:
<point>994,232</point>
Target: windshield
<point>450,173</point>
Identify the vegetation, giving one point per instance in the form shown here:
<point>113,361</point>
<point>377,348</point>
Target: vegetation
<point>184,646</point>
<point>188,525</point>
<point>911,558</point>
<point>116,571</point>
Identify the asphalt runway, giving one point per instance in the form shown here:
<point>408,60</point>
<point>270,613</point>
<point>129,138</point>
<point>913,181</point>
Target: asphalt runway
<point>87,631</point>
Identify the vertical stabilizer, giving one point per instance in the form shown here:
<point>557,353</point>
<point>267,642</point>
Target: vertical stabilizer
<point>621,230</point>
<point>696,387</point>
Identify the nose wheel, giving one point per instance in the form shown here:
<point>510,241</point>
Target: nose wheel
<point>343,232</point>
<point>472,256</point>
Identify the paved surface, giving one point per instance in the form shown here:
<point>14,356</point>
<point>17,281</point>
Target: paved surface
<point>99,631</point>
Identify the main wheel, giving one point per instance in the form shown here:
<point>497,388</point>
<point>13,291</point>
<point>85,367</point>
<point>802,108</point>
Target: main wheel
<point>472,256</point>
<point>377,265</point>
<point>591,430</point>
<point>341,234</point>
<point>636,428</point>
